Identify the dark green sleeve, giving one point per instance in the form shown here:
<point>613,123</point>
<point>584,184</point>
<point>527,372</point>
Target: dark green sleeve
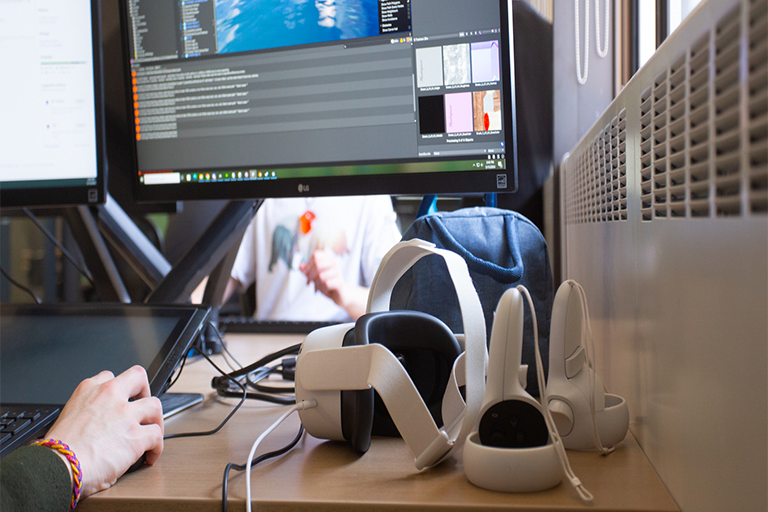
<point>34,478</point>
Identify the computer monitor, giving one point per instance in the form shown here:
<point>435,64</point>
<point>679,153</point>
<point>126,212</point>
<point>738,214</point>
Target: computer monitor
<point>235,99</point>
<point>51,138</point>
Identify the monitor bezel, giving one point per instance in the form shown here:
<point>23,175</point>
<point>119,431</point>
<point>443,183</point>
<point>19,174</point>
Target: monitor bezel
<point>396,183</point>
<point>52,195</point>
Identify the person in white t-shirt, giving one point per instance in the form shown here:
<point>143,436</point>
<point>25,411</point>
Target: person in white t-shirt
<point>314,258</point>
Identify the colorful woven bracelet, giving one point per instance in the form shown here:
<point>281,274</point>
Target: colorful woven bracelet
<point>73,461</point>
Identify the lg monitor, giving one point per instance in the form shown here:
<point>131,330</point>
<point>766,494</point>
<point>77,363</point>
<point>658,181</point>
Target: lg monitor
<point>51,138</point>
<point>239,99</point>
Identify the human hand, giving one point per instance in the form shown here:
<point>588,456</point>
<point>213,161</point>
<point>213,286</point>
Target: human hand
<point>324,271</point>
<point>106,431</point>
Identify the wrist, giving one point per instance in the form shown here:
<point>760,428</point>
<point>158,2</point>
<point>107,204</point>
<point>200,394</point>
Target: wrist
<point>72,463</point>
<point>68,466</point>
<point>354,299</point>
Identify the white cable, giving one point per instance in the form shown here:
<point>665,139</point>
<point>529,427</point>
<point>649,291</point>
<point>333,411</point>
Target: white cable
<point>602,53</point>
<point>582,78</point>
<point>308,404</point>
<point>584,494</point>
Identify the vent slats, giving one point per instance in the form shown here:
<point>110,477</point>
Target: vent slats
<point>758,131</point>
<point>758,81</point>
<point>758,10</point>
<point>601,195</point>
<point>701,150</point>
<point>759,180</point>
<point>758,53</point>
<point>727,176</point>
<point>758,107</point>
<point>759,203</point>
<point>728,120</point>
<point>758,157</point>
<point>727,98</point>
<point>677,178</point>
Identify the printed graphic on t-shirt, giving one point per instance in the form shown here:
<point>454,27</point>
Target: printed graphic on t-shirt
<point>299,238</point>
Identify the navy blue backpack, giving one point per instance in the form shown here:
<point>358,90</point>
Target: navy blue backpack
<point>502,249</point>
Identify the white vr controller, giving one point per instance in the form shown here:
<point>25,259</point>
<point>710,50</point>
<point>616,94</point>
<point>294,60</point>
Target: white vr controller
<point>587,417</point>
<point>512,449</point>
<point>518,445</point>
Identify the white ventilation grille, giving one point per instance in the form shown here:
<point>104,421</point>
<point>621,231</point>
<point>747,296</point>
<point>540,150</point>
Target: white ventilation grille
<point>698,127</point>
<point>758,106</point>
<point>727,101</point>
<point>600,194</point>
<point>702,150</point>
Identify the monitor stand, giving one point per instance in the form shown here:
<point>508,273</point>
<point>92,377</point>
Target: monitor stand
<point>213,255</point>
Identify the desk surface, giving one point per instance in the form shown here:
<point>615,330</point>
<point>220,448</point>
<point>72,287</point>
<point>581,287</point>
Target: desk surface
<point>329,476</point>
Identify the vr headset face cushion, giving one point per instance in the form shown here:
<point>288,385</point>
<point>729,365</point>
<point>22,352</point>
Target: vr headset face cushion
<point>427,349</point>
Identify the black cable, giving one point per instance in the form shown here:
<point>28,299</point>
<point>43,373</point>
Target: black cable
<point>263,374</point>
<point>181,369</point>
<point>269,389</point>
<point>226,391</point>
<point>292,350</point>
<point>223,390</point>
<point>256,460</point>
<point>19,285</point>
<point>279,400</point>
<point>226,359</point>
<point>65,252</point>
<point>224,345</point>
<point>211,432</point>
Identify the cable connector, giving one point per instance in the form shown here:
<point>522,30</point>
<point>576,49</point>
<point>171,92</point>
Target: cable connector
<point>289,368</point>
<point>220,382</point>
<point>306,404</point>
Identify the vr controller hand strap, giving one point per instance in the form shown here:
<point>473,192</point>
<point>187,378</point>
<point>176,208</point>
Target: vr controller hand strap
<point>394,264</point>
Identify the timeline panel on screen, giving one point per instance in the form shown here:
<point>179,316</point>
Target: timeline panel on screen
<point>234,98</point>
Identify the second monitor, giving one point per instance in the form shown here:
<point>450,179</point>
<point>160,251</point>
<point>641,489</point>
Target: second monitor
<point>326,97</point>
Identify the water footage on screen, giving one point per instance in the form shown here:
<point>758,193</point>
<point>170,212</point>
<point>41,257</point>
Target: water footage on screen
<point>246,25</point>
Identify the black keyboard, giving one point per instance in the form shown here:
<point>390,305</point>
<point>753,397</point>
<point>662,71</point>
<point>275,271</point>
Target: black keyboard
<point>18,423</point>
<point>252,326</point>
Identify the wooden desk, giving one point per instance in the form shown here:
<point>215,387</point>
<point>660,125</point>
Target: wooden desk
<point>329,476</point>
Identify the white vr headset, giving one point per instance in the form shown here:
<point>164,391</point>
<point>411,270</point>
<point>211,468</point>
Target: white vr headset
<point>340,367</point>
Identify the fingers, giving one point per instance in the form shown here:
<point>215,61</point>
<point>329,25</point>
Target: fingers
<point>309,269</point>
<point>149,411</point>
<point>150,416</point>
<point>322,269</point>
<point>154,445</point>
<point>134,382</point>
<point>102,377</point>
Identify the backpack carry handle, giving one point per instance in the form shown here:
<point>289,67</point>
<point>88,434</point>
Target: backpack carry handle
<point>475,264</point>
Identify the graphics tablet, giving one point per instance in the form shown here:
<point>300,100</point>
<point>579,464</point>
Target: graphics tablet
<point>46,350</point>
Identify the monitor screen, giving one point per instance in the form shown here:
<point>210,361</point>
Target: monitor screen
<point>240,99</point>
<point>51,143</point>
